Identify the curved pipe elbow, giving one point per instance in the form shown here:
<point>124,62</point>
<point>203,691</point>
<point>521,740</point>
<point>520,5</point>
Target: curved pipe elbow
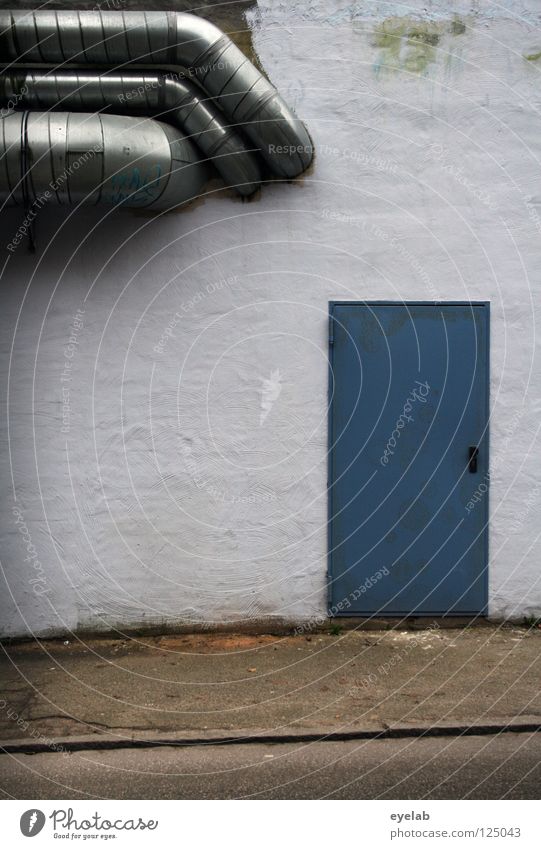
<point>205,126</point>
<point>165,38</point>
<point>176,101</point>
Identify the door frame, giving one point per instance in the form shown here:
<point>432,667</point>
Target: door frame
<point>330,443</point>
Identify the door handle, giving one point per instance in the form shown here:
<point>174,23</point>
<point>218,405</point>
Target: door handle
<point>473,453</point>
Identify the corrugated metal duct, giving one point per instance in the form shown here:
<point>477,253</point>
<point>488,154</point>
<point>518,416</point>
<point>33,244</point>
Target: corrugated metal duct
<point>232,112</point>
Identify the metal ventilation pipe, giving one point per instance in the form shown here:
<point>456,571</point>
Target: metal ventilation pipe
<point>116,39</point>
<point>68,158</point>
<point>174,100</point>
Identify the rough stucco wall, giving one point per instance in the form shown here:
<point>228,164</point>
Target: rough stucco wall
<point>186,481</point>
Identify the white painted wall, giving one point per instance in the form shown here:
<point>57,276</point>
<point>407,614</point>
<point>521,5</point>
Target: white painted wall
<point>188,484</point>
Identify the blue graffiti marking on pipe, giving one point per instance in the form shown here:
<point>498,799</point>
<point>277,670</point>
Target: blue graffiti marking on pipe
<point>138,188</point>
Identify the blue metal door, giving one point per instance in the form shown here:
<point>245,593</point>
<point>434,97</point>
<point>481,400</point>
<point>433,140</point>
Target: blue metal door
<point>408,458</point>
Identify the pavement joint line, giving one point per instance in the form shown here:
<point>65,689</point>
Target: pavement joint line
<point>398,732</point>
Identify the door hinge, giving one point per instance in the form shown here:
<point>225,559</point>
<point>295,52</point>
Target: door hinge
<point>331,330</point>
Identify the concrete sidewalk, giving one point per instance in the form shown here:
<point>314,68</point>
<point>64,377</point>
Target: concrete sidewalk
<point>213,686</point>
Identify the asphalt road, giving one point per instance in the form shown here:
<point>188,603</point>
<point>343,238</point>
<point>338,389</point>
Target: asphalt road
<point>506,766</point>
